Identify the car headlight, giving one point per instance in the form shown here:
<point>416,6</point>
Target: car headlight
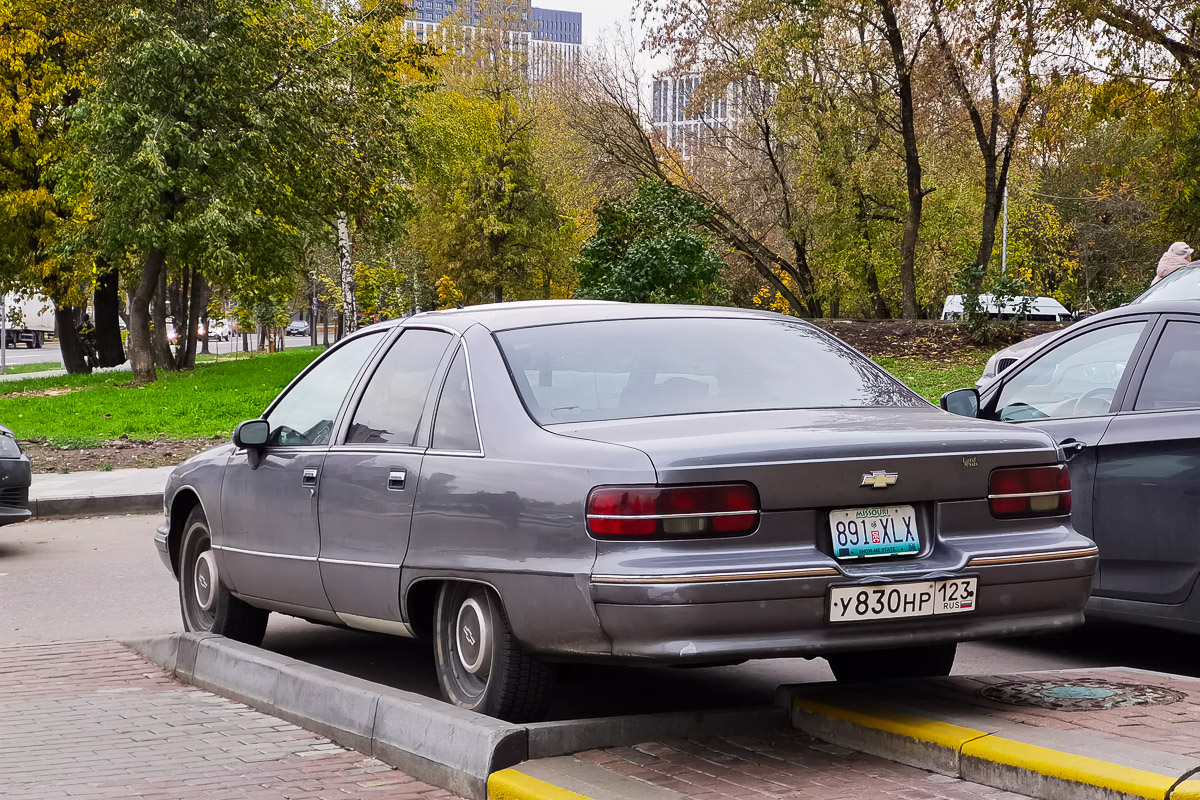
<point>9,447</point>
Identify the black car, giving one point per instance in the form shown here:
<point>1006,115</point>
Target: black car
<point>297,328</point>
<point>1120,392</point>
<point>15,477</point>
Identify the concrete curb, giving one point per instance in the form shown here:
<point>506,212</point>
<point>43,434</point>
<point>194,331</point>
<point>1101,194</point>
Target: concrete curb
<point>431,740</point>
<point>980,751</point>
<point>95,506</point>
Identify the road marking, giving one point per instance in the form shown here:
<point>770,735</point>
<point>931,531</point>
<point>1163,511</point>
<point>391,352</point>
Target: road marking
<point>942,734</point>
<point>510,784</point>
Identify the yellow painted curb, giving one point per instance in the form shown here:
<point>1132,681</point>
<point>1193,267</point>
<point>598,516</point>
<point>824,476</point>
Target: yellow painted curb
<point>1187,790</point>
<point>942,734</point>
<point>1070,767</point>
<point>510,784</point>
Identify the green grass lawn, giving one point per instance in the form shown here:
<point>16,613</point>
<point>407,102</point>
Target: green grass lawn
<point>932,380</point>
<point>82,410</point>
<point>201,404</point>
<point>41,366</point>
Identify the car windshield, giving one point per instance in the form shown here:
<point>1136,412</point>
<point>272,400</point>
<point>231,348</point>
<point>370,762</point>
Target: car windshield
<point>1182,284</point>
<point>623,369</point>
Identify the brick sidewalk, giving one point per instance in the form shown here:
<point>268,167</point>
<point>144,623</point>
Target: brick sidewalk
<point>96,720</point>
<point>784,766</point>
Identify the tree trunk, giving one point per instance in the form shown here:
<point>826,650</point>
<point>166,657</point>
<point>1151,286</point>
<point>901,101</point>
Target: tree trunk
<point>106,302</point>
<point>204,323</point>
<point>991,215</point>
<point>245,341</point>
<point>141,349</point>
<point>188,346</point>
<point>499,293</point>
<point>161,344</point>
<point>74,360</point>
<point>912,161</point>
<point>346,275</point>
<point>325,334</point>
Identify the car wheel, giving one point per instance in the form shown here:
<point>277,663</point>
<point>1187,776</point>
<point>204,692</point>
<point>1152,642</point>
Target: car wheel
<point>931,661</point>
<point>207,605</point>
<point>480,664</point>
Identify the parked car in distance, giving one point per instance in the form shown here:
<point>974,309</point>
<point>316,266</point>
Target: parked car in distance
<point>15,478</point>
<point>218,331</point>
<point>1034,309</point>
<point>530,483</point>
<point>1121,392</point>
<point>297,327</point>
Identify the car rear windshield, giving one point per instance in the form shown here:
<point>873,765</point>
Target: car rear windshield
<point>1182,284</point>
<point>624,369</point>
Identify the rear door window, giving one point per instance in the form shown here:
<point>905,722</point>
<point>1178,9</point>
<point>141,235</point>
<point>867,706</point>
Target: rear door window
<point>1173,375</point>
<point>394,399</point>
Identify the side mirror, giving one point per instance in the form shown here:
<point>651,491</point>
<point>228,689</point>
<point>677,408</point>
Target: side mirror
<point>964,402</point>
<point>252,434</point>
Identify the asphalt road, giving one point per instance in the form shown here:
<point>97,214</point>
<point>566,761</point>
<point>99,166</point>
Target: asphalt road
<point>101,579</point>
<point>50,352</point>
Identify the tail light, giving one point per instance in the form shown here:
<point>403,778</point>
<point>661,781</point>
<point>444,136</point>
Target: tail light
<point>1030,492</point>
<point>672,511</point>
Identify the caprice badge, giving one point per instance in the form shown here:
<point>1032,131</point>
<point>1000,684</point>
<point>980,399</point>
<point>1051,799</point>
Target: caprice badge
<point>879,479</point>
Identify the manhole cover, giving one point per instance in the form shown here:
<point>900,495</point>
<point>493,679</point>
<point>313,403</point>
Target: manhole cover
<point>1084,694</point>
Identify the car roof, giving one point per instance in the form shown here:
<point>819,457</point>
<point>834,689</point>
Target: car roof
<point>525,314</point>
<point>1157,307</point>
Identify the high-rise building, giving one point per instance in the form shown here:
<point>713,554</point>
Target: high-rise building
<point>685,124</point>
<point>550,39</point>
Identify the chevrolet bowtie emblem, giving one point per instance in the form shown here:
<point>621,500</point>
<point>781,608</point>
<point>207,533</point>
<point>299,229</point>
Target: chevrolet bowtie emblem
<point>879,479</point>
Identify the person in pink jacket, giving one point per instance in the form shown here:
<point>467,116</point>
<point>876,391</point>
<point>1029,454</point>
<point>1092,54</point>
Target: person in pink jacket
<point>1178,255</point>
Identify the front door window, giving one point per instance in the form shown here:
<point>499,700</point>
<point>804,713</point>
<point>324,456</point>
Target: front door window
<point>1078,378</point>
<point>304,416</point>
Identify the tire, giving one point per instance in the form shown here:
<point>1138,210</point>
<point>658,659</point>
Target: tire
<point>206,605</point>
<point>930,661</point>
<point>480,665</point>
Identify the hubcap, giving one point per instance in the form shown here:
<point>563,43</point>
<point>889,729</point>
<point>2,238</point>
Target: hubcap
<point>206,580</point>
<point>474,638</point>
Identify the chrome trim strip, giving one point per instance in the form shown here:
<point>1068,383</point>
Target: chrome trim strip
<point>1020,558</point>
<point>459,453</point>
<point>1051,454</point>
<point>761,575</point>
<point>698,515</point>
<point>375,449</point>
<point>1028,494</point>
<point>377,625</point>
<point>348,563</point>
<point>241,551</point>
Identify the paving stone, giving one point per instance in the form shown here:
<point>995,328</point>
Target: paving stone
<point>782,765</point>
<point>94,720</point>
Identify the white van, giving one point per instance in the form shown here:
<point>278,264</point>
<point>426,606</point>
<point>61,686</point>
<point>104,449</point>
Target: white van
<point>1037,309</point>
<point>29,319</point>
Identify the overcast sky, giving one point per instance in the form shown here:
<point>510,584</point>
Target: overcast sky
<point>597,14</point>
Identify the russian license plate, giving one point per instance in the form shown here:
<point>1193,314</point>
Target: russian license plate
<point>874,532</point>
<point>896,600</point>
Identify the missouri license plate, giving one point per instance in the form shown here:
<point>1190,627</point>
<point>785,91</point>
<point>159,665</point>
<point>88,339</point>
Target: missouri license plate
<point>898,600</point>
<point>874,532</point>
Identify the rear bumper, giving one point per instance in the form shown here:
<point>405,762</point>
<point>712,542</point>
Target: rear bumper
<point>783,616</point>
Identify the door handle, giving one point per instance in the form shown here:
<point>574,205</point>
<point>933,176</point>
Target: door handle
<point>309,478</point>
<point>396,480</point>
<point>1072,447</point>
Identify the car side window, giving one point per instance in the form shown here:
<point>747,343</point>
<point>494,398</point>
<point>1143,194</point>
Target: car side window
<point>304,416</point>
<point>454,425</point>
<point>1078,378</point>
<point>391,405</point>
<point>1173,375</point>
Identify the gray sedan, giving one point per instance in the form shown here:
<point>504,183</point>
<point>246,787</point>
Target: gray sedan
<point>1121,392</point>
<point>532,483</point>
